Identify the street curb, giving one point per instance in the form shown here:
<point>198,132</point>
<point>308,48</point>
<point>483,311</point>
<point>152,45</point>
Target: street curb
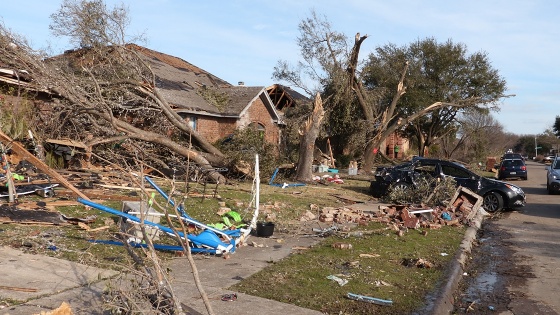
<point>443,300</point>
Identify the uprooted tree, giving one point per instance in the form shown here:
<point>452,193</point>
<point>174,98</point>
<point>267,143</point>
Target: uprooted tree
<point>362,103</point>
<point>105,92</point>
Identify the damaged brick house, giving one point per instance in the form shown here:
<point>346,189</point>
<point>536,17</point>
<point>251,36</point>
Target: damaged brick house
<point>212,106</point>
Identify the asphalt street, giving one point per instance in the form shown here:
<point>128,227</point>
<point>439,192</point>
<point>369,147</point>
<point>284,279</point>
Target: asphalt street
<point>520,274</point>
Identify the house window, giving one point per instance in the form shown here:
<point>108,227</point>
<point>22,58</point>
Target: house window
<point>192,122</point>
<point>258,127</point>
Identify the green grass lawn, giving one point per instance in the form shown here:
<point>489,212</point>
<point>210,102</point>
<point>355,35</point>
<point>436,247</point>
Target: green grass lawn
<point>301,278</point>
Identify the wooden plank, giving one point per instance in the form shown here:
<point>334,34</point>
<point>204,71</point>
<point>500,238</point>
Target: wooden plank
<point>2,287</point>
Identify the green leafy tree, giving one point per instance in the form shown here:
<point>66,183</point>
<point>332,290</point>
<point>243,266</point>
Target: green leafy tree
<point>526,144</point>
<point>548,141</point>
<point>437,72</point>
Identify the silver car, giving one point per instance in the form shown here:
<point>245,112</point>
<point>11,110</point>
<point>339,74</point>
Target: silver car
<point>553,176</point>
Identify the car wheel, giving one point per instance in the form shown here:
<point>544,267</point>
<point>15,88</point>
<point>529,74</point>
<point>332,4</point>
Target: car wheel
<point>493,202</point>
<point>400,187</point>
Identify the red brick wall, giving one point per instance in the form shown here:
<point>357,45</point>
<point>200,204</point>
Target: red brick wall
<point>215,128</point>
<point>258,113</point>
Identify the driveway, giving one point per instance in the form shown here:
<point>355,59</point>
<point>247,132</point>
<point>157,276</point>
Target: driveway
<point>516,266</point>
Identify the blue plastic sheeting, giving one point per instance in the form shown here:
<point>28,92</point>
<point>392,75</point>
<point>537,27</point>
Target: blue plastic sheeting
<point>206,238</point>
<point>226,233</point>
<point>284,185</point>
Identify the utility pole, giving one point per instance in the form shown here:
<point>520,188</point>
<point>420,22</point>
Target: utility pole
<point>536,147</point>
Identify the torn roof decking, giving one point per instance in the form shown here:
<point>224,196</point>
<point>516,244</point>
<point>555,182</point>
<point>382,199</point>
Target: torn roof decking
<point>180,83</point>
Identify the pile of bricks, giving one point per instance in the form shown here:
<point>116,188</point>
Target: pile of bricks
<point>460,211</point>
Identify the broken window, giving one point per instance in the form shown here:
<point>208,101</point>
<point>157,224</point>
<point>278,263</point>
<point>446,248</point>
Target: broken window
<point>192,122</point>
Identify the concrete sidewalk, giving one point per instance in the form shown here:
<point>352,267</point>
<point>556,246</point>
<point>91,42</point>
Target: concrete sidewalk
<point>58,281</point>
<point>54,281</point>
<point>47,282</point>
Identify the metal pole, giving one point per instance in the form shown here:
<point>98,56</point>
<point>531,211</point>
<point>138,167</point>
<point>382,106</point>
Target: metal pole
<point>536,147</point>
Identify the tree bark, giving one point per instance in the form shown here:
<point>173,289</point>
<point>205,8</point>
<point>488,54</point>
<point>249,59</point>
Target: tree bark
<point>140,134</point>
<point>308,134</point>
<point>386,119</point>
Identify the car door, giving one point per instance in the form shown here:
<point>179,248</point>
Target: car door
<point>462,176</point>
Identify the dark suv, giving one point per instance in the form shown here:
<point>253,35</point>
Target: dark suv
<point>512,168</point>
<point>497,195</point>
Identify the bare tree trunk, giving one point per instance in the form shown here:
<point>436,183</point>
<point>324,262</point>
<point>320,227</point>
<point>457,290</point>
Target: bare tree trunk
<point>136,133</point>
<point>308,134</point>
<point>386,119</point>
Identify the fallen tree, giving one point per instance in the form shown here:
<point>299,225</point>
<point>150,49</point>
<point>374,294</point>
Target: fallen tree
<point>107,92</point>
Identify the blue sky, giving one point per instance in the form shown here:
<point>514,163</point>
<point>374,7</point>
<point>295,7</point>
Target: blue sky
<point>240,40</point>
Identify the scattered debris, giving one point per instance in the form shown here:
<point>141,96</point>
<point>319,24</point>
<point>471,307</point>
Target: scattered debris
<point>19,289</point>
<point>300,248</point>
<point>308,216</point>
<point>63,309</point>
<point>342,245</point>
<point>13,214</point>
<point>283,185</point>
<point>369,255</point>
<point>229,297</point>
<point>340,281</point>
<point>417,262</point>
<point>208,239</point>
<point>379,283</point>
<point>368,299</point>
<point>349,200</point>
<point>326,231</point>
<point>400,218</point>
